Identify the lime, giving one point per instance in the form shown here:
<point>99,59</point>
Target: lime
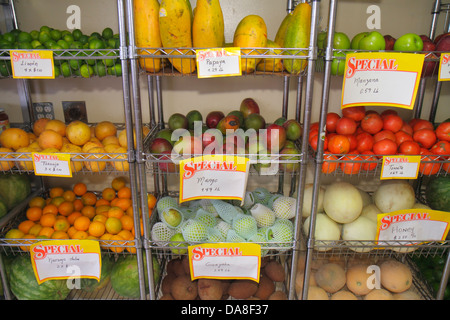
<point>5,68</point>
<point>65,33</point>
<point>86,71</point>
<point>68,38</point>
<point>115,70</point>
<point>95,43</point>
<point>8,36</point>
<point>76,45</point>
<point>4,44</point>
<point>35,44</point>
<point>95,35</point>
<point>25,45</point>
<point>112,43</point>
<point>16,32</point>
<point>77,34</point>
<point>63,44</point>
<point>44,36</point>
<point>45,29</point>
<point>65,69</point>
<point>57,72</point>
<point>83,39</point>
<point>49,44</point>
<point>107,33</point>
<point>24,37</point>
<point>108,62</point>
<point>74,64</point>
<point>100,69</point>
<point>55,34</point>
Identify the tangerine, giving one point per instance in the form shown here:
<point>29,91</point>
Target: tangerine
<point>102,210</point>
<point>96,229</point>
<point>37,202</point>
<point>56,192</point>
<point>117,245</point>
<point>116,212</point>
<point>35,229</point>
<point>126,234</point>
<point>46,232</point>
<point>66,208</point>
<point>82,223</point>
<point>78,205</point>
<point>50,208</point>
<point>61,225</point>
<point>80,235</point>
<point>124,193</point>
<point>59,234</point>
<point>151,200</point>
<point>89,198</point>
<point>88,211</point>
<point>123,203</point>
<point>118,183</point>
<point>28,243</point>
<point>57,200</point>
<point>69,195</point>
<point>80,188</point>
<point>71,218</point>
<point>100,217</point>
<point>71,231</point>
<point>108,194</point>
<point>25,226</point>
<point>34,213</point>
<point>48,220</point>
<point>127,222</point>
<point>102,202</point>
<point>113,225</point>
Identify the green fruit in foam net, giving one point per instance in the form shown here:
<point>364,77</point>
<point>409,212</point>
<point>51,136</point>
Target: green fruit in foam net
<point>206,217</point>
<point>285,207</point>
<point>245,226</point>
<point>263,215</point>
<point>262,195</point>
<point>166,202</point>
<point>194,231</point>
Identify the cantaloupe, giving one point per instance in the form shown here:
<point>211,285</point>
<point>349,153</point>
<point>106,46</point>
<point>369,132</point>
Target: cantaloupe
<point>317,293</point>
<point>357,279</point>
<point>331,277</point>
<point>307,200</point>
<point>299,279</point>
<point>407,295</point>
<point>343,295</point>
<point>395,276</point>
<point>379,294</point>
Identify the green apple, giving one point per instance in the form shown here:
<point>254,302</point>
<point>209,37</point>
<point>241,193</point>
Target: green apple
<point>341,41</point>
<point>354,44</point>
<point>374,41</point>
<point>409,42</point>
<point>338,65</point>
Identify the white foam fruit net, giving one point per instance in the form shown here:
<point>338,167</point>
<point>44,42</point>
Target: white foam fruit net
<point>161,232</point>
<point>214,235</point>
<point>285,207</point>
<point>244,225</point>
<point>282,233</point>
<point>262,241</point>
<point>223,228</point>
<point>162,217</point>
<point>207,205</point>
<point>249,200</point>
<point>206,217</point>
<point>262,195</point>
<point>194,231</point>
<point>263,215</point>
<point>232,236</point>
<point>166,202</point>
<point>272,200</point>
<point>225,210</point>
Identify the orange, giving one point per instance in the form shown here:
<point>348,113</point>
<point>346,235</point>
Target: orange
<point>102,210</point>
<point>127,222</point>
<point>82,223</point>
<point>25,226</point>
<point>117,245</point>
<point>50,208</point>
<point>66,208</point>
<point>151,200</point>
<point>126,234</point>
<point>108,194</point>
<point>104,129</point>
<point>14,138</point>
<point>27,243</point>
<point>39,125</point>
<point>124,192</point>
<point>34,213</point>
<point>71,218</point>
<point>80,188</point>
<point>60,235</point>
<point>116,212</point>
<point>130,247</point>
<point>102,202</point>
<point>37,202</point>
<point>123,203</point>
<point>129,211</point>
<point>118,183</point>
<point>61,225</point>
<point>96,229</point>
<point>48,220</point>
<point>46,231</point>
<point>71,231</point>
<point>88,211</point>
<point>89,198</point>
<point>113,225</point>
<point>77,204</point>
<point>141,228</point>
<point>56,192</point>
<point>69,195</point>
<point>80,235</point>
<point>57,126</point>
<point>35,229</point>
<point>57,200</point>
<point>50,139</point>
<point>105,237</point>
<point>100,217</point>
<point>78,132</point>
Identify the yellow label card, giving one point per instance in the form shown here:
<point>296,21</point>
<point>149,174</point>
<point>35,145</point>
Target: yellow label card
<point>32,64</point>
<point>218,62</point>
<point>400,167</point>
<point>52,164</point>
<point>225,261</point>
<point>64,259</point>
<point>444,67</point>
<point>381,79</point>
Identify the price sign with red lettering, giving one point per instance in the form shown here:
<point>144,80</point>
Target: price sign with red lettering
<point>400,167</point>
<point>444,67</point>
<point>381,79</point>
<point>218,62</point>
<point>52,164</point>
<point>32,64</point>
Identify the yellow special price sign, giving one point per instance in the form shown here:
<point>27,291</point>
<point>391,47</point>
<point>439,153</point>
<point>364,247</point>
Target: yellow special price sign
<point>444,67</point>
<point>218,62</point>
<point>225,261</point>
<point>32,64</point>
<point>213,177</point>
<point>52,164</point>
<point>413,225</point>
<point>381,79</point>
<point>64,259</point>
<point>400,167</point>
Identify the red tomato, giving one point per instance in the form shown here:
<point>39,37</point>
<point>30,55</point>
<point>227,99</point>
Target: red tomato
<point>384,134</point>
<point>407,128</point>
<point>314,140</point>
<point>443,131</point>
<point>353,141</point>
<point>346,126</point>
<point>392,122</point>
<point>446,165</point>
<point>313,132</point>
<point>388,112</point>
<point>372,123</point>
<point>329,164</point>
<point>441,148</point>
<point>428,165</point>
<point>339,144</point>
<point>401,136</point>
<point>385,147</point>
<point>314,126</point>
<point>409,148</point>
<point>425,137</point>
<point>365,142</point>
<point>355,113</point>
<point>422,124</point>
<point>332,119</point>
<point>370,161</point>
<point>352,163</point>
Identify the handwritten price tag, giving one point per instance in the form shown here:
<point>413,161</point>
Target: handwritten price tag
<point>52,164</point>
<point>213,177</point>
<point>400,167</point>
<point>381,79</point>
<point>225,261</point>
<point>218,62</point>
<point>444,67</point>
<point>32,64</point>
<point>64,259</point>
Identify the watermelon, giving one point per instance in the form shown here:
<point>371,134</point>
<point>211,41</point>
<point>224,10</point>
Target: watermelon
<point>125,276</point>
<point>91,285</point>
<point>3,208</point>
<point>24,285</point>
<point>438,193</point>
<point>14,188</point>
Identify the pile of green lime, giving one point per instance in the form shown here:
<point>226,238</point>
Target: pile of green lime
<point>75,53</point>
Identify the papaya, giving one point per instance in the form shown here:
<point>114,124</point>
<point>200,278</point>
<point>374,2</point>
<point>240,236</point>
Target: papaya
<point>208,25</point>
<point>146,25</point>
<point>251,32</point>
<point>281,32</point>
<point>175,27</point>
<point>297,36</point>
<point>271,64</point>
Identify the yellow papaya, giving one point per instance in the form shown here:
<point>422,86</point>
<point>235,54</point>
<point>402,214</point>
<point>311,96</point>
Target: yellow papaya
<point>146,25</point>
<point>208,25</point>
<point>297,36</point>
<point>251,32</point>
<point>271,64</point>
<point>281,32</point>
<point>175,24</point>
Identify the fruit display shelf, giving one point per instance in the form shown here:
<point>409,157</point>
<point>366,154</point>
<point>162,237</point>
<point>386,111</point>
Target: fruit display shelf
<point>269,61</point>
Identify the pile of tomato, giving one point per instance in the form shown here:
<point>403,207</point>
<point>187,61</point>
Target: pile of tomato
<point>359,138</point>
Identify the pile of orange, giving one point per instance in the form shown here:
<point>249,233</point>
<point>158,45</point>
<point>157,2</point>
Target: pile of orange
<point>78,213</point>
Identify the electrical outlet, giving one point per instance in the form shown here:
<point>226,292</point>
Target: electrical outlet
<point>43,110</point>
<point>74,110</point>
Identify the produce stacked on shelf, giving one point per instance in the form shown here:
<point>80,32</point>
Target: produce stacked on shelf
<point>361,137</point>
<point>203,27</point>
<point>177,284</point>
<point>431,269</point>
<point>13,190</point>
<point>98,48</point>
